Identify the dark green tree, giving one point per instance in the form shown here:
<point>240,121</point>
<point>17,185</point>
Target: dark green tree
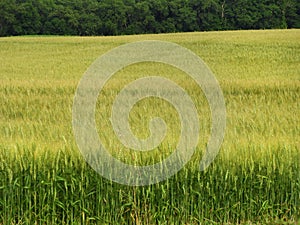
<point>116,17</point>
<point>209,14</point>
<point>291,11</point>
<point>7,17</point>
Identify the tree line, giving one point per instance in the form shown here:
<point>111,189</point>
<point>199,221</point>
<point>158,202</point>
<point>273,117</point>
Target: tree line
<point>118,17</point>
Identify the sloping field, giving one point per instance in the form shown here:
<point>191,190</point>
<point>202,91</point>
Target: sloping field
<point>254,179</point>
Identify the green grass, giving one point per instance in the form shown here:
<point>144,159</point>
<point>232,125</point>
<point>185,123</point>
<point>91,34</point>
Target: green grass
<point>255,179</point>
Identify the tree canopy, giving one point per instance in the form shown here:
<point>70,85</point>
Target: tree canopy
<point>117,17</point>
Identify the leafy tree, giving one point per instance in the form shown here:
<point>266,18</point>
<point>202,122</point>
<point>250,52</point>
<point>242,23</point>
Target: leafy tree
<point>271,16</point>
<point>115,17</point>
<point>209,14</point>
<point>7,17</point>
<point>28,17</point>
<point>57,22</point>
<point>291,12</point>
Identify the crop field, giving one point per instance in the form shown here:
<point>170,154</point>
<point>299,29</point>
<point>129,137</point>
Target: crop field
<point>255,179</point>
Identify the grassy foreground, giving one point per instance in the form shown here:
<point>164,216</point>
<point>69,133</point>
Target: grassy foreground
<point>255,178</point>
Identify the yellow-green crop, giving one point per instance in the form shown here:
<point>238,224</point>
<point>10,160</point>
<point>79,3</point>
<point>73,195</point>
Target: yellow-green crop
<point>255,178</point>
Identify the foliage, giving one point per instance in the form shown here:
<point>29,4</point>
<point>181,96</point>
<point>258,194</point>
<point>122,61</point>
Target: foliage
<point>106,17</point>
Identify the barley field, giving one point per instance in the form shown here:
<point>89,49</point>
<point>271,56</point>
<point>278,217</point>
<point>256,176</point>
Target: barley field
<point>255,178</point>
